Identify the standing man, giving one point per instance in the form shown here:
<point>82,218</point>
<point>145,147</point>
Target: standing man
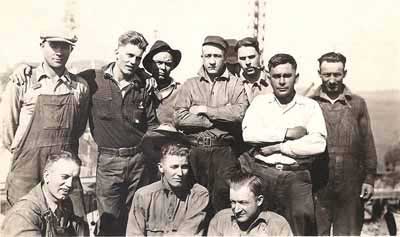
<point>253,75</point>
<point>45,115</point>
<point>47,209</point>
<point>174,205</point>
<point>207,108</point>
<point>120,114</point>
<point>246,216</point>
<point>292,131</point>
<point>160,61</point>
<point>351,150</point>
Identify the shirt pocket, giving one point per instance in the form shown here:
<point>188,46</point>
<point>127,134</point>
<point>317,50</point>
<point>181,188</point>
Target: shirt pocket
<point>137,116</point>
<point>102,108</point>
<point>58,116</point>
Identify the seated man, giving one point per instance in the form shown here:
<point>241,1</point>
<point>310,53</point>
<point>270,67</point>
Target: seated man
<point>47,209</point>
<point>246,216</point>
<point>173,205</point>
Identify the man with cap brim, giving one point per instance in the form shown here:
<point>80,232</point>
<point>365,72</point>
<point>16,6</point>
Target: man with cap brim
<point>46,115</point>
<point>174,205</point>
<point>208,106</point>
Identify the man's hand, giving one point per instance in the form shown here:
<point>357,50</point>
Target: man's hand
<point>367,190</point>
<point>198,109</point>
<point>295,133</point>
<point>21,74</point>
<point>269,150</point>
<point>151,84</point>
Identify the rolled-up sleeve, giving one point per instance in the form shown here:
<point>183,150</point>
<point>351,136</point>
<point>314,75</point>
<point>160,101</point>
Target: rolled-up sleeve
<point>10,107</point>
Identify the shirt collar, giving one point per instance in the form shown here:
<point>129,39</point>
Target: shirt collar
<point>66,77</point>
<point>51,205</point>
<point>109,74</point>
<point>261,218</point>
<point>204,76</point>
<point>261,81</point>
<point>344,96</point>
<point>271,98</point>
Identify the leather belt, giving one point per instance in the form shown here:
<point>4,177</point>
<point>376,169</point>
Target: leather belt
<point>123,151</point>
<point>284,167</point>
<point>207,142</point>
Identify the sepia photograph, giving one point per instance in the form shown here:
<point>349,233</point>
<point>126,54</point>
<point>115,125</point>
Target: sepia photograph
<point>211,118</point>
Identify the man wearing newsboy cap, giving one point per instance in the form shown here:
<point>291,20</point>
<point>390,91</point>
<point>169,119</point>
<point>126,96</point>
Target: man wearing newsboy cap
<point>207,108</point>
<point>45,115</point>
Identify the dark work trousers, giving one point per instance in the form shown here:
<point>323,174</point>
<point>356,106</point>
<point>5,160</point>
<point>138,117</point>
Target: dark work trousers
<point>289,193</point>
<point>117,180</point>
<point>338,204</point>
<point>211,167</point>
<point>51,130</point>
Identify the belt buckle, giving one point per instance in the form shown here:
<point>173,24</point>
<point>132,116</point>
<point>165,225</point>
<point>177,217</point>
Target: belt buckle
<point>207,141</point>
<point>279,166</point>
<point>124,151</point>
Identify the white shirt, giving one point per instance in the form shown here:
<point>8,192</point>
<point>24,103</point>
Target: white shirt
<point>266,121</point>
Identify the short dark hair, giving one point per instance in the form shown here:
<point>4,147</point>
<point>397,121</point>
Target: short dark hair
<point>62,155</point>
<point>248,42</point>
<point>332,57</point>
<point>133,37</point>
<point>242,178</point>
<point>175,149</point>
<point>281,58</point>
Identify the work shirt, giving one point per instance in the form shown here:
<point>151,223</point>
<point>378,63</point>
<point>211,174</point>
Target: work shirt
<point>267,121</point>
<point>354,139</point>
<point>166,99</point>
<point>259,87</point>
<point>226,103</point>
<point>115,120</point>
<point>18,102</point>
<point>157,210</point>
<point>267,223</point>
<point>31,216</point>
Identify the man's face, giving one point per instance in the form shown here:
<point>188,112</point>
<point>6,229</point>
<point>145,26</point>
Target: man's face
<point>128,58</point>
<point>283,78</point>
<point>244,203</point>
<point>332,74</point>
<point>59,178</point>
<point>213,59</point>
<point>249,59</point>
<point>174,169</point>
<point>163,62</point>
<point>56,53</point>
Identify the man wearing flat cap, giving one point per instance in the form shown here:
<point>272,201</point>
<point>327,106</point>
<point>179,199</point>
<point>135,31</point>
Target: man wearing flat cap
<point>208,107</point>
<point>160,61</point>
<point>45,115</point>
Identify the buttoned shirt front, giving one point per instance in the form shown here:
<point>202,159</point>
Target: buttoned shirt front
<point>18,101</point>
<point>167,97</point>
<point>224,97</point>
<point>267,121</point>
<point>259,87</point>
<point>157,210</point>
<point>267,223</point>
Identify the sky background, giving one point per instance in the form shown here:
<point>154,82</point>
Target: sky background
<point>366,31</point>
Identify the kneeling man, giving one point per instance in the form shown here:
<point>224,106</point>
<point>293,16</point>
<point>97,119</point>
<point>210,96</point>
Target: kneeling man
<point>173,205</point>
<point>47,209</point>
<point>246,217</point>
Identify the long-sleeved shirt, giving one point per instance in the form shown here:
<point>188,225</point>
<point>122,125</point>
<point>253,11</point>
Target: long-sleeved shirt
<point>267,121</point>
<point>119,119</point>
<point>266,224</point>
<point>18,102</point>
<point>157,210</point>
<point>226,103</point>
<point>349,130</point>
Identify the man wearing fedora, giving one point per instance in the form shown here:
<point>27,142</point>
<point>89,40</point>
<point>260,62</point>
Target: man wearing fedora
<point>45,115</point>
<point>159,62</point>
<point>209,105</point>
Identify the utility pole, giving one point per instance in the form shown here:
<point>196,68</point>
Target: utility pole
<point>257,16</point>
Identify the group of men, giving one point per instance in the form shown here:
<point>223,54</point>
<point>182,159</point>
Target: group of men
<point>170,157</point>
